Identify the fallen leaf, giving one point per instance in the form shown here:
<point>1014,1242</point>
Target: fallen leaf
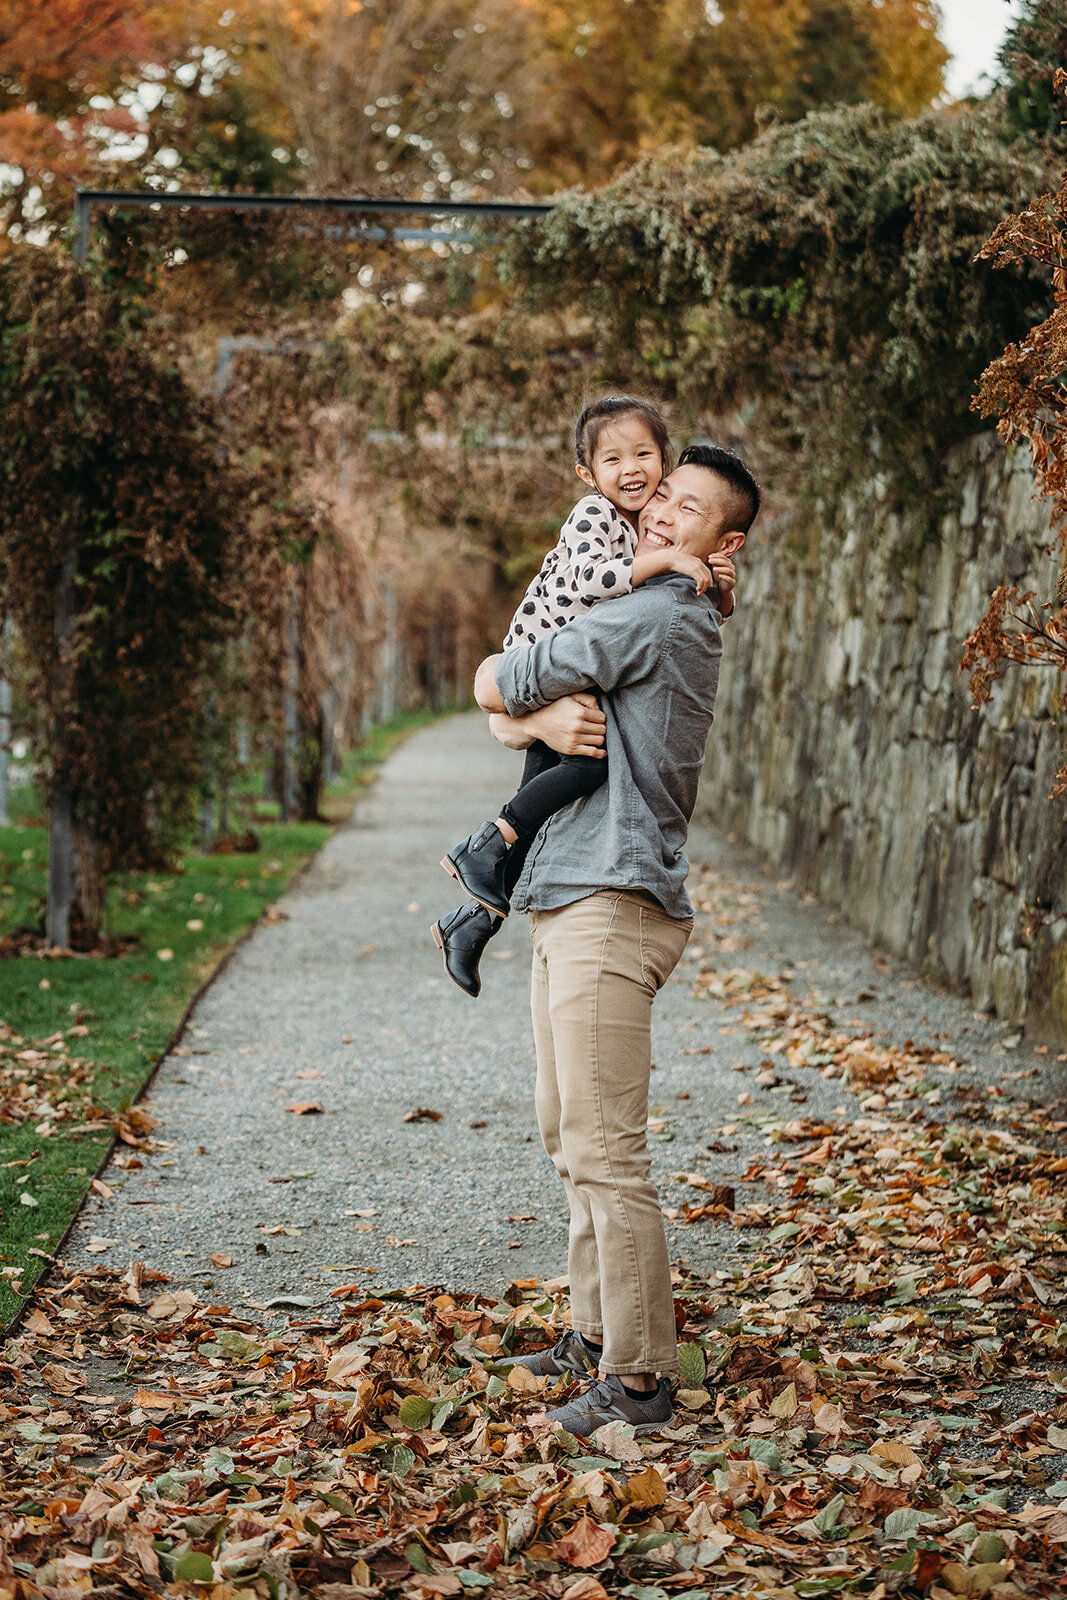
<point>219,1260</point>
<point>304,1108</point>
<point>646,1489</point>
<point>422,1114</point>
<point>63,1380</point>
<point>586,1545</point>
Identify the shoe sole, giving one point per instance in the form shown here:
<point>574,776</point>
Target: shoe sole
<point>454,872</point>
<point>638,1427</point>
<point>440,943</point>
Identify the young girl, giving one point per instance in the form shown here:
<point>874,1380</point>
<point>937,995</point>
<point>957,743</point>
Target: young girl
<point>622,451</point>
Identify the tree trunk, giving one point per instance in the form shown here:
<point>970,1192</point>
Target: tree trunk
<point>5,719</point>
<point>90,886</point>
<point>61,855</point>
<point>290,784</point>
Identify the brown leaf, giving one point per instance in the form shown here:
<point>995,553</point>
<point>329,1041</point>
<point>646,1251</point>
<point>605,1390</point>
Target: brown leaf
<point>151,1400</point>
<point>646,1489</point>
<point>63,1380</point>
<point>422,1114</point>
<point>304,1108</point>
<point>586,1545</point>
<point>896,1452</point>
<point>587,1588</point>
<point>219,1260</point>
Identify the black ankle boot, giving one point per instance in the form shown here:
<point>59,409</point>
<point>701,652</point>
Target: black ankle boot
<point>480,863</point>
<point>461,937</point>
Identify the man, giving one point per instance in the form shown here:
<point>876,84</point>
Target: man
<point>605,888</point>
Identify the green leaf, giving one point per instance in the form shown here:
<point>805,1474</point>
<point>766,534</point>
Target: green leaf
<point>692,1365</point>
<point>828,1517</point>
<point>218,1464</point>
<point>416,1557</point>
<point>474,1580</point>
<point>397,1459</point>
<point>904,1522</point>
<point>416,1411</point>
<point>645,1591</point>
<point>338,1502</point>
<point>766,1451</point>
<point>228,1342</point>
<point>495,1388</point>
<point>650,1541</point>
<point>195,1567</point>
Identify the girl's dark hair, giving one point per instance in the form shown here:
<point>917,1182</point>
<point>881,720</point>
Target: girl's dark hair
<point>598,414</point>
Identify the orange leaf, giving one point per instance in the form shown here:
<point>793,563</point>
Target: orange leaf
<point>304,1108</point>
<point>586,1545</point>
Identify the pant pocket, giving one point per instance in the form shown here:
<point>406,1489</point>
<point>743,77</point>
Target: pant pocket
<point>663,940</point>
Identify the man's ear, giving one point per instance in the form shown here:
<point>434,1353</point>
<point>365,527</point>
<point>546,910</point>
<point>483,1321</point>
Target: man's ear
<point>586,476</point>
<point>730,544</point>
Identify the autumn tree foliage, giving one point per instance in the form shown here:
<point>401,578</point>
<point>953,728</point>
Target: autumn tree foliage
<point>425,97</point>
<point>1024,389</point>
<point>121,546</point>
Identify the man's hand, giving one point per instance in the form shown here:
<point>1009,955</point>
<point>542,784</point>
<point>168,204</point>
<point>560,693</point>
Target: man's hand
<point>573,726</point>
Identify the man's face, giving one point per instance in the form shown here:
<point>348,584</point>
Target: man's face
<point>688,512</point>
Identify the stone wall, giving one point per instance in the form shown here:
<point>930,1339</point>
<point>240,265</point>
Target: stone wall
<point>845,747</point>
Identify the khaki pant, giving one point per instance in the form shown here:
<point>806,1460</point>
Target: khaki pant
<point>598,965</point>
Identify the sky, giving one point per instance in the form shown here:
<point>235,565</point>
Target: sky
<point>972,30</point>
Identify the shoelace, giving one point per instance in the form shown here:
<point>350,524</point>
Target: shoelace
<point>598,1393</point>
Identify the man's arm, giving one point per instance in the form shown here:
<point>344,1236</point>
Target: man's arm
<point>612,646</point>
<point>486,692</point>
<point>574,726</point>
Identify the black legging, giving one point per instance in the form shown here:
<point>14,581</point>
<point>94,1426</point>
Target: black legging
<point>549,782</point>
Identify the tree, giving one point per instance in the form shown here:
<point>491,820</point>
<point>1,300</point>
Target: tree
<point>1034,48</point>
<point>120,549</point>
<point>424,97</point>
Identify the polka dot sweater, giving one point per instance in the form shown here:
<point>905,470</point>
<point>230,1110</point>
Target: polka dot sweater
<point>591,560</point>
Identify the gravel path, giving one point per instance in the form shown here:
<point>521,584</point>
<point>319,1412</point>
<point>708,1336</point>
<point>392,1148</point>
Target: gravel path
<point>344,1002</point>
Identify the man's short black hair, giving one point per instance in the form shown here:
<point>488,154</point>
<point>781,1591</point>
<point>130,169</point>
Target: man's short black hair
<point>726,465</point>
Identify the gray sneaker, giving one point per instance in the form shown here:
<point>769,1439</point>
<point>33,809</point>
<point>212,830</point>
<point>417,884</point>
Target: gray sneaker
<point>567,1356</point>
<point>606,1400</point>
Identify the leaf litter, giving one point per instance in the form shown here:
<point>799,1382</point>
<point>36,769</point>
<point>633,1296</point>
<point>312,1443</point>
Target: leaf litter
<point>847,1416</point>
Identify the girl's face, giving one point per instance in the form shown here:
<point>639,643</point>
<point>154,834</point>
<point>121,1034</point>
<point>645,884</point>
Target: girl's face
<point>627,465</point>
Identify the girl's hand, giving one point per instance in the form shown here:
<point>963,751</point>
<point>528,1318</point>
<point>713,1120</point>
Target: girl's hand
<point>692,567</point>
<point>725,575</point>
<point>724,572</point>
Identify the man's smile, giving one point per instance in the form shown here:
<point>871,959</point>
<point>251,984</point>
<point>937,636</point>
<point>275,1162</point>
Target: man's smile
<point>658,541</point>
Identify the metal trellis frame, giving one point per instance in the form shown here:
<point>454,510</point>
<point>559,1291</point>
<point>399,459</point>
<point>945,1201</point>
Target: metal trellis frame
<point>361,205</point>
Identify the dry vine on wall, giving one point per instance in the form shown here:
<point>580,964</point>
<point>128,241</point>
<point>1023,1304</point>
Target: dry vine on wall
<point>1024,388</point>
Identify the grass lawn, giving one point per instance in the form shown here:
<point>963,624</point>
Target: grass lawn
<point>79,1036</point>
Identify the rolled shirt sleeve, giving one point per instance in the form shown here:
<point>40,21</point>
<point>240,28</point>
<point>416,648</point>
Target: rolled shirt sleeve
<point>610,647</point>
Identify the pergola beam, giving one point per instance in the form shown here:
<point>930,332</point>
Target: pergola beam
<point>86,199</point>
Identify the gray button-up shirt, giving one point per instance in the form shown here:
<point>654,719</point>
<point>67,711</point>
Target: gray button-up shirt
<point>655,657</point>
